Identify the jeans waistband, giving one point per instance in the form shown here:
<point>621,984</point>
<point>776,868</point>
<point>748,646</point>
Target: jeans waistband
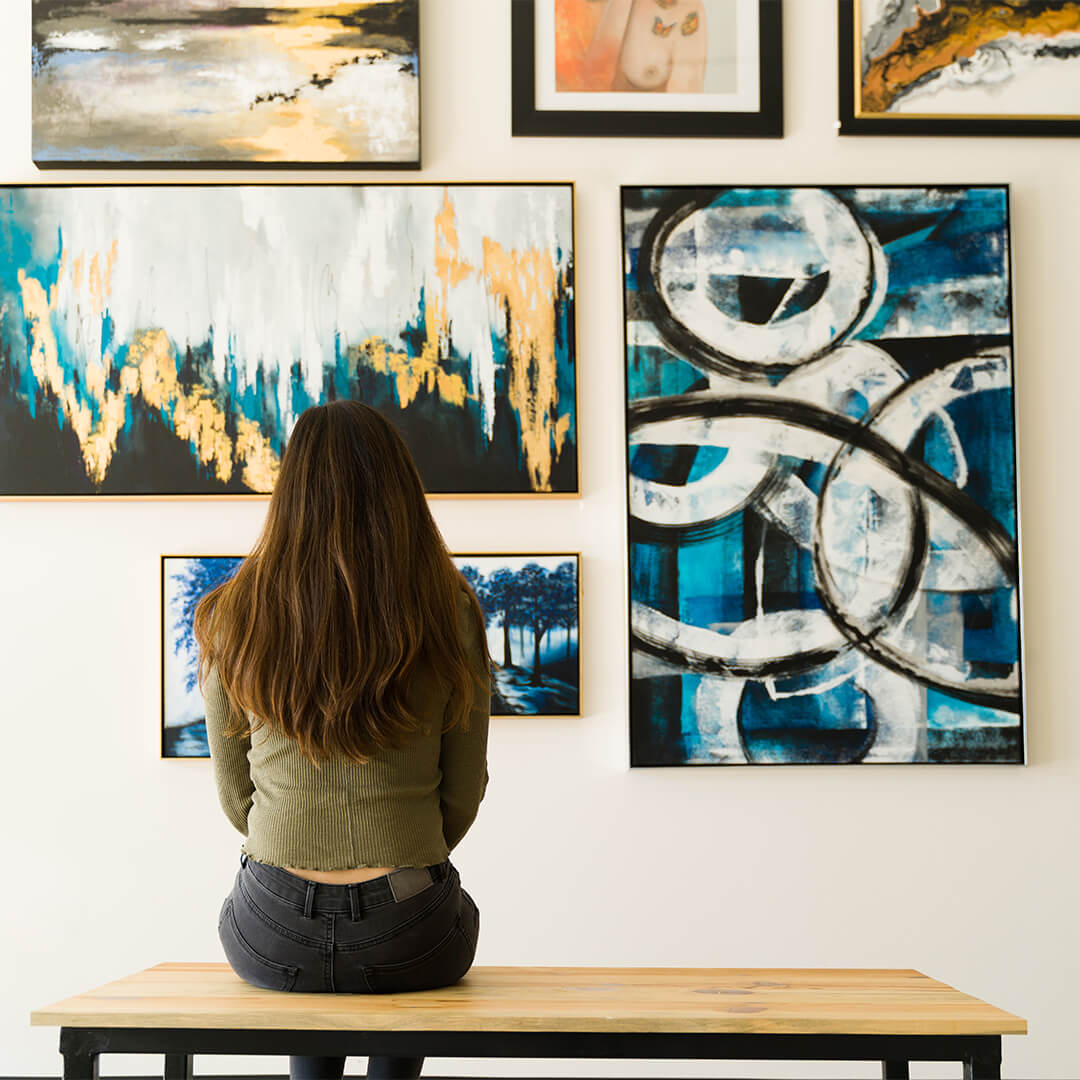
<point>309,896</point>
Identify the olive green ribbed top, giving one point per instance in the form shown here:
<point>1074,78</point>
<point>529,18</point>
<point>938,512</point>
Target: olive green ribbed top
<point>405,807</point>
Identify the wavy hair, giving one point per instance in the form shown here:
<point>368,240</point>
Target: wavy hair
<point>348,590</point>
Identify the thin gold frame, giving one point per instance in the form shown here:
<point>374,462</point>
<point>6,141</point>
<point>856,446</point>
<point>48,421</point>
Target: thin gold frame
<point>578,559</point>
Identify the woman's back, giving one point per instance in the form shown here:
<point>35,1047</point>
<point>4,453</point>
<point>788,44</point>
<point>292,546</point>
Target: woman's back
<point>347,687</point>
<point>404,806</point>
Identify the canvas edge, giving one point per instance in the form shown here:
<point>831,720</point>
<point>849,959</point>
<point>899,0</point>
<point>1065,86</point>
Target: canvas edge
<point>412,163</point>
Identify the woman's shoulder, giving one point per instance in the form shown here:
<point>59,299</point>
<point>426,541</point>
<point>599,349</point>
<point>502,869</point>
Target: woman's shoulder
<point>469,618</point>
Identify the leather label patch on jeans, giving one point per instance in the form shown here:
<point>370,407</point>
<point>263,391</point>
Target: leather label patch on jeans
<point>409,881</point>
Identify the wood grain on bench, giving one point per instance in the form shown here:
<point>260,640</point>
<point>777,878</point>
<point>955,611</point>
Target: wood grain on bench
<point>677,1000</point>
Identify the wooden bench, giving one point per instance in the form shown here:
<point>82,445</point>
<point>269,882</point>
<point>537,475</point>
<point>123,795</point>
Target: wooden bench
<point>892,1017</point>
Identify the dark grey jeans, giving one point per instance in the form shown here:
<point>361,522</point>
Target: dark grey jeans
<point>413,929</point>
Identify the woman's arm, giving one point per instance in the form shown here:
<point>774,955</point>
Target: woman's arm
<point>229,755</point>
<point>463,756</point>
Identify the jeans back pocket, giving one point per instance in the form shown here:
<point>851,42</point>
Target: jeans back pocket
<point>247,961</point>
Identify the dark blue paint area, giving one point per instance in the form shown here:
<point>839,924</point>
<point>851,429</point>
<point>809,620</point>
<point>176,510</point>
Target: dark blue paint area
<point>712,578</point>
<point>984,428</point>
<point>834,726</point>
<point>984,423</point>
<point>947,270</point>
<point>187,741</point>
<point>654,372</point>
<point>988,640</point>
<point>655,463</point>
<point>990,632</point>
<point>654,576</point>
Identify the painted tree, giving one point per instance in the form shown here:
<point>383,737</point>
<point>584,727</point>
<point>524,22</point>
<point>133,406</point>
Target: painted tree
<point>505,599</point>
<point>564,599</point>
<point>537,608</point>
<point>479,585</point>
<point>193,582</point>
<point>475,580</point>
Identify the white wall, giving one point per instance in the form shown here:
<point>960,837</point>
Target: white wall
<point>115,860</point>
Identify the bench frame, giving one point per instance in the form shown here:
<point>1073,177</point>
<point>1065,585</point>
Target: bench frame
<point>81,1047</point>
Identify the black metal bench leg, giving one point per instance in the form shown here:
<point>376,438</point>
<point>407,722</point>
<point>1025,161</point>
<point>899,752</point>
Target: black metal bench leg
<point>178,1067</point>
<point>895,1070</point>
<point>982,1069</point>
<point>984,1065</point>
<point>80,1067</point>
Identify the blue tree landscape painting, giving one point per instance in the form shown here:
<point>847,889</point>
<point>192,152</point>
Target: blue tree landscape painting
<point>824,565</point>
<point>185,580</point>
<point>530,603</point>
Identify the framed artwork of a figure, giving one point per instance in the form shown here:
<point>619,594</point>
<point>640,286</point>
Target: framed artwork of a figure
<point>647,67</point>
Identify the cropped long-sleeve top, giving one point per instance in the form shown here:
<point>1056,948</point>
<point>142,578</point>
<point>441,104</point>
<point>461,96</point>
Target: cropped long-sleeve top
<point>406,807</point>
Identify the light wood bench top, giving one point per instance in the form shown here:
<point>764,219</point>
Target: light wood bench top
<point>673,1000</point>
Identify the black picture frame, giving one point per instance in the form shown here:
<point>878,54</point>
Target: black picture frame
<point>854,122</point>
<point>766,123</point>
<point>651,746</point>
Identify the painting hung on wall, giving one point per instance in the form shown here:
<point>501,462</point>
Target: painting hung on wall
<point>647,67</point>
<point>221,82</point>
<point>960,67</point>
<point>530,603</point>
<point>163,340</point>
<point>531,606</point>
<point>185,580</point>
<point>822,476</point>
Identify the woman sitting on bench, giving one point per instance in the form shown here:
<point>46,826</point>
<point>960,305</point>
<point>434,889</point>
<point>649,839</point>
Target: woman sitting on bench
<point>346,679</point>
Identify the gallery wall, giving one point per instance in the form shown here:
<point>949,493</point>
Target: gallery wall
<point>116,860</point>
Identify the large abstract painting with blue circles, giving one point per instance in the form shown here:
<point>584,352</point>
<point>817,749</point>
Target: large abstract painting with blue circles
<point>824,565</point>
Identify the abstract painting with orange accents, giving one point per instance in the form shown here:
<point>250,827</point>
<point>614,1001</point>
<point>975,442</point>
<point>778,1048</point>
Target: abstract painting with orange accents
<point>966,59</point>
<point>247,82</point>
<point>163,340</point>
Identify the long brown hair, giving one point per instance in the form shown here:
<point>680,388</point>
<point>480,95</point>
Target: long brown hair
<point>347,590</point>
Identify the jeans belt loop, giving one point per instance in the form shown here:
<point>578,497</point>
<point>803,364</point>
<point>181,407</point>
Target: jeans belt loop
<point>355,912</point>
<point>309,899</point>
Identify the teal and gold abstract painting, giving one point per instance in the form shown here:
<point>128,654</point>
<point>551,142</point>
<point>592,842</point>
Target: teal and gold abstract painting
<point>163,340</point>
<point>822,497</point>
<point>201,82</point>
